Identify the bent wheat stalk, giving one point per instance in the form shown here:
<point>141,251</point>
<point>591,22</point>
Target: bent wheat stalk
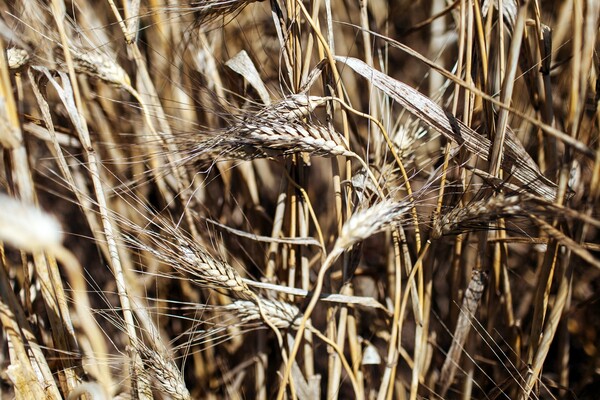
<point>358,227</point>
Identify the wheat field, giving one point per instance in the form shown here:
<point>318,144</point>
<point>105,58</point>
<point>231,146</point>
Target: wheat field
<point>231,199</point>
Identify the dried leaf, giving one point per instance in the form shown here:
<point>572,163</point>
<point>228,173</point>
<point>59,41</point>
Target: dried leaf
<point>515,161</point>
<point>243,65</point>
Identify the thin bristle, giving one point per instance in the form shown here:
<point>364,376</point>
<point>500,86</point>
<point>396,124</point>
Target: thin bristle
<point>299,199</point>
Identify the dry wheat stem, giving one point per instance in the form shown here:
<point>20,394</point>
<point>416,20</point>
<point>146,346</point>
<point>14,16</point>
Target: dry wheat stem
<point>83,307</point>
<point>359,226</point>
<point>28,228</point>
<point>26,355</point>
<point>331,258</point>
<point>52,291</point>
<point>357,390</point>
<point>497,147</point>
<point>71,98</point>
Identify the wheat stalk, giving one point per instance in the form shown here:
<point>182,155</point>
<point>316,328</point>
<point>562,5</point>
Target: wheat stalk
<point>153,81</point>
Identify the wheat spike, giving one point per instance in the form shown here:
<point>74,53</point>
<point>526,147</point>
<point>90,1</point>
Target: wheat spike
<point>27,227</point>
<point>280,314</point>
<point>477,212</point>
<point>193,261</point>
<point>163,374</point>
<point>208,270</point>
<point>371,220</point>
<point>289,137</point>
<point>98,65</point>
<point>277,129</point>
<point>268,137</point>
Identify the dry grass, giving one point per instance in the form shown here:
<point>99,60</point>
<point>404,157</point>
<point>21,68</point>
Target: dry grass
<point>239,199</point>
